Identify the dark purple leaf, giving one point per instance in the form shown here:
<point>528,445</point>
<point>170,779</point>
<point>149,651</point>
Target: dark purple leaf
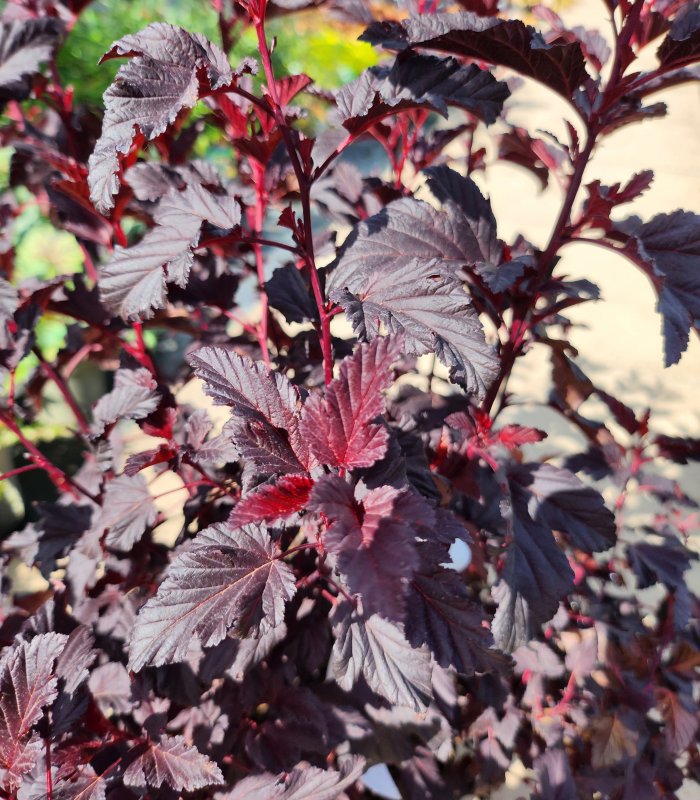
<point>559,500</point>
<point>278,500</point>
<point>429,306</point>
<point>27,684</point>
<point>681,723</point>
<point>508,43</point>
<point>59,527</point>
<point>408,230</point>
<point>229,578</point>
<point>128,510</point>
<point>110,688</point>
<point>484,8</point>
<point>170,69</point>
<point>148,458</point>
<point>630,109</point>
<point>34,782</point>
<point>518,147</point>
<point>372,540</point>
<point>81,302</point>
<point>302,783</point>
<point>296,724</point>
<point>400,268</point>
<point>669,246</point>
<point>603,199</point>
<point>420,775</point>
<point>339,426</point>
<point>248,387</point>
<point>441,615</point>
<point>554,778</point>
<point>593,44</point>
<point>666,80</point>
<point>81,572</point>
<point>236,657</point>
<point>215,452</point>
<point>623,414</point>
<point>419,81</point>
<point>535,576</point>
<point>375,649</point>
<point>339,190</point>
<point>133,397</point>
<point>468,214</point>
<point>151,180</point>
<point>75,659</point>
<point>24,46</point>
<point>207,451</point>
<point>265,410</point>
<point>86,785</point>
<point>665,563</point>
<point>133,282</point>
<point>614,738</point>
<point>681,47</point>
<point>173,761</point>
<point>76,214</point>
<point>678,448</point>
<point>289,293</point>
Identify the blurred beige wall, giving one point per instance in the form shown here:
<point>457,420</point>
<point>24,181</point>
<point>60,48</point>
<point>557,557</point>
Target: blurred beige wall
<point>620,344</point>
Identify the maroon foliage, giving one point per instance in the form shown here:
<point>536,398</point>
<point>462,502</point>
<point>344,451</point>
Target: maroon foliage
<point>355,557</point>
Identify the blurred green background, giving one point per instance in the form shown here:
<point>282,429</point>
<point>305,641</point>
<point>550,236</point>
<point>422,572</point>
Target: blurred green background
<point>307,42</point>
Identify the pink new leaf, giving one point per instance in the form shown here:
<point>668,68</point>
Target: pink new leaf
<point>339,427</point>
<point>273,501</point>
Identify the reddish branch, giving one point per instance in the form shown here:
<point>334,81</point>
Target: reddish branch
<point>305,193</point>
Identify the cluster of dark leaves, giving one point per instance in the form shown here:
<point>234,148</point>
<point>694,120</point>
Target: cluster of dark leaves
<point>302,619</point>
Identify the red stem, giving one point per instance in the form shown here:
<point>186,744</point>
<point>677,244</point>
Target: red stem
<point>567,696</point>
<point>260,206</point>
<point>298,548</point>
<point>195,466</point>
<point>90,268</point>
<point>522,312</point>
<point>340,590</point>
<point>119,234</point>
<point>18,471</point>
<point>403,127</point>
<point>332,157</point>
<point>144,359</point>
<point>57,476</point>
<point>245,325</point>
<point>304,191</point>
<point>547,258</point>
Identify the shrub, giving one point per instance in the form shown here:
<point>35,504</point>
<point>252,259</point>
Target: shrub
<point>295,617</point>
